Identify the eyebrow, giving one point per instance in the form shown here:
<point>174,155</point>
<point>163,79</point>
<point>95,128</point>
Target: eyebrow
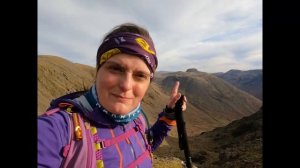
<point>113,63</point>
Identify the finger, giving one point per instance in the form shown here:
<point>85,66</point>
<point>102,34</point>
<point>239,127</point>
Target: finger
<point>175,89</point>
<point>183,106</point>
<point>184,99</point>
<point>174,100</point>
<point>184,103</point>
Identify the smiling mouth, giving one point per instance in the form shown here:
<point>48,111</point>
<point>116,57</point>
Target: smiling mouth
<point>121,97</point>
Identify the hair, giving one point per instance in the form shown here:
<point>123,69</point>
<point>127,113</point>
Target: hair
<point>131,28</point>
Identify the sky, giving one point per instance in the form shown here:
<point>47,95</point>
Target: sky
<point>210,35</point>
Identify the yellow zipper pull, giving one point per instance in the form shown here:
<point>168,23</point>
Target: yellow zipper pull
<point>77,129</point>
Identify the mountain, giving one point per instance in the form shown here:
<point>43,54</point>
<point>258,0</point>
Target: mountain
<point>198,121</point>
<point>218,99</point>
<point>249,81</point>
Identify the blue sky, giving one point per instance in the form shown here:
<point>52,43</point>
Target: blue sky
<point>210,35</point>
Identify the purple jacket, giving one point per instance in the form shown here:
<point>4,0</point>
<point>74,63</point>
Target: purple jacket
<point>53,136</point>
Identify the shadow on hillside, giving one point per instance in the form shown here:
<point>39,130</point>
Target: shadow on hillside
<point>238,144</point>
<point>172,150</point>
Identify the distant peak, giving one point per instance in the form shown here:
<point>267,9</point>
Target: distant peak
<point>234,70</point>
<point>192,70</point>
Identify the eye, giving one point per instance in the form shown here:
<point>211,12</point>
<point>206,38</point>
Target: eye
<point>115,69</point>
<point>141,76</point>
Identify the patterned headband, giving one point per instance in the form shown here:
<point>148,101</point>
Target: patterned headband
<point>129,43</point>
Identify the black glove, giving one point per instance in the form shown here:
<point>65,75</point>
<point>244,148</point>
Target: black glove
<point>169,113</point>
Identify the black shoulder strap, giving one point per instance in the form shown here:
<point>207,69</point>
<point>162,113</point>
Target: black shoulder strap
<point>149,132</point>
<point>65,98</point>
<point>82,100</point>
<point>146,119</point>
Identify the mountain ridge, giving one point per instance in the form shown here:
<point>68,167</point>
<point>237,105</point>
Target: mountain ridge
<point>211,94</point>
<point>249,81</point>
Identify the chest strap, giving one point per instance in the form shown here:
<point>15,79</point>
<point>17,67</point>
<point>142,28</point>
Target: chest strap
<point>115,140</point>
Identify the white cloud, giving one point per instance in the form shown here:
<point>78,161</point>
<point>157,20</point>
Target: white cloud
<point>211,35</point>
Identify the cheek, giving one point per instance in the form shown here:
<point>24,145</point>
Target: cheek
<point>106,82</point>
<point>102,82</point>
<point>141,91</point>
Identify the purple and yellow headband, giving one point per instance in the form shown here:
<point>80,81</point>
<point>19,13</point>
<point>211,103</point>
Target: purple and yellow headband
<point>129,43</point>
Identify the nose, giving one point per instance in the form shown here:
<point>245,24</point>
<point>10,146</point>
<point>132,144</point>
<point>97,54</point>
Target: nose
<point>126,82</point>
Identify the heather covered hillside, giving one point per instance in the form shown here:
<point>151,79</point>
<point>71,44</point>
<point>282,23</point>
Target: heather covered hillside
<point>238,144</point>
<point>57,76</point>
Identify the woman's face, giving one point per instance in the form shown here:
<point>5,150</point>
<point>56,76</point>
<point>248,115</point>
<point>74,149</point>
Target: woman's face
<point>122,82</point>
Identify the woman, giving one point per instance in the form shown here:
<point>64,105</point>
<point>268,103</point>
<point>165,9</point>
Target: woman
<point>105,127</point>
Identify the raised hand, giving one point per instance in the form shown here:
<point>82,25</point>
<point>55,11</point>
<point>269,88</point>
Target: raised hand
<point>175,95</point>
